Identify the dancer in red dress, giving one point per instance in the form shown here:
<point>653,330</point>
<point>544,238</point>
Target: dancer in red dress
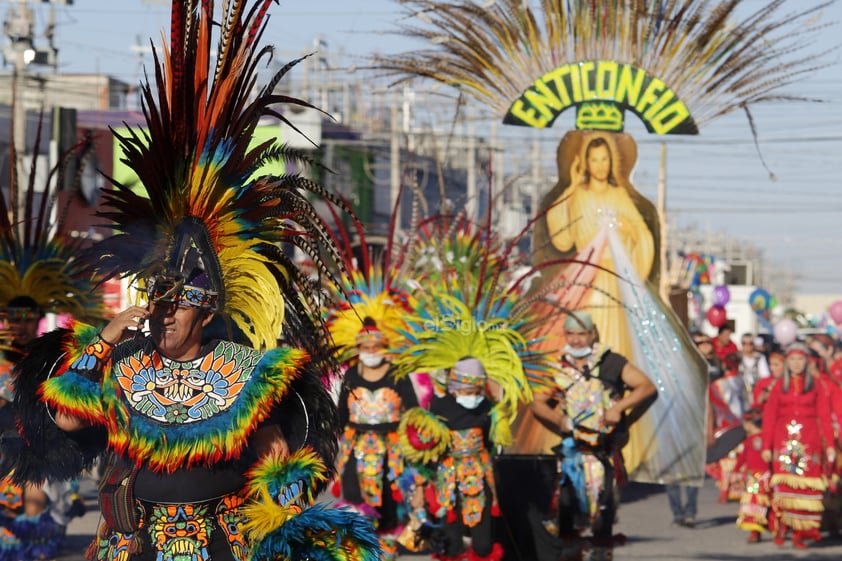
<point>798,441</point>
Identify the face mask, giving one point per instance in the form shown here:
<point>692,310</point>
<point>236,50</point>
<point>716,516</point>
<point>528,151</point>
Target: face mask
<point>469,401</point>
<point>372,360</point>
<point>577,353</point>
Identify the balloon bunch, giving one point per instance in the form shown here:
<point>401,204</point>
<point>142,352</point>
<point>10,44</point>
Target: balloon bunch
<point>697,269</point>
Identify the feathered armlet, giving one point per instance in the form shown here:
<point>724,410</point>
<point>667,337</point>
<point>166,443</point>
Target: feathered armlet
<point>43,451</point>
<point>73,384</point>
<point>283,524</point>
<point>423,436</point>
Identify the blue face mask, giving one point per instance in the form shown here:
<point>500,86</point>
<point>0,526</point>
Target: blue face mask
<point>469,401</point>
<point>581,352</point>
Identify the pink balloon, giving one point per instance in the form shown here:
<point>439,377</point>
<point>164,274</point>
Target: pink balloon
<point>835,311</point>
<point>785,331</point>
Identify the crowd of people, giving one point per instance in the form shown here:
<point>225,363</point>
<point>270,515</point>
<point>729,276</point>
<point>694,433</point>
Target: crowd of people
<point>779,411</point>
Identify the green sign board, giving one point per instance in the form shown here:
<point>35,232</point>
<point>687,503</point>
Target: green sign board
<point>601,90</point>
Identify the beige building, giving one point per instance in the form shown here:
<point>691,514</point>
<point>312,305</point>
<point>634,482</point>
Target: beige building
<point>79,91</point>
<point>815,304</point>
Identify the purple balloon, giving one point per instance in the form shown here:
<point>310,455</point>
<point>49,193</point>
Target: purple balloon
<point>721,295</point>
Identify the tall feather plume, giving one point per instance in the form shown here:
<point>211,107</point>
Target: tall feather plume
<point>193,159</point>
<point>375,288</point>
<point>714,58</point>
<point>469,281</point>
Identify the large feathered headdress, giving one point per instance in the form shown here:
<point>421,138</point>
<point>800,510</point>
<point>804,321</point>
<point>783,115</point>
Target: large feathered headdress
<point>209,229</point>
<point>372,300</point>
<point>36,260</point>
<point>471,301</point>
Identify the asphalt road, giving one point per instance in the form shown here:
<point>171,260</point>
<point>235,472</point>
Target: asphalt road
<point>644,517</point>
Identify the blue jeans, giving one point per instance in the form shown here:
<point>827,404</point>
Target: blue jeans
<point>688,509</point>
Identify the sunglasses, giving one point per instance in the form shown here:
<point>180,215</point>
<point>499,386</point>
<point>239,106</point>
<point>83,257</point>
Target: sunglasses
<point>181,295</point>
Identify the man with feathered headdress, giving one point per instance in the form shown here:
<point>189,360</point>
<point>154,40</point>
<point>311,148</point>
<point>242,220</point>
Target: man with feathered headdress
<point>217,441</point>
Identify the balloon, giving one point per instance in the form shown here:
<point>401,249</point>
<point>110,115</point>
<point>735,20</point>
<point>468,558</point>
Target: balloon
<point>721,295</point>
<point>835,311</point>
<point>759,300</point>
<point>785,331</point>
<point>716,316</point>
<point>821,321</point>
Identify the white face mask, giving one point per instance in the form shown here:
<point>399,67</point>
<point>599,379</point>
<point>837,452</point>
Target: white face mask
<point>469,401</point>
<point>372,360</point>
<point>581,352</point>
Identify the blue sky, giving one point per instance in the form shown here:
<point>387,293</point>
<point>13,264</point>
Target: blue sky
<point>715,181</point>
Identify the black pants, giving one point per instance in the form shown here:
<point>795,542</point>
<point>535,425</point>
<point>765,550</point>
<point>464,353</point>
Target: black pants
<point>568,505</point>
<point>388,509</point>
<point>482,535</point>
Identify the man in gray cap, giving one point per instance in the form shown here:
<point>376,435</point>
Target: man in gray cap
<point>595,387</point>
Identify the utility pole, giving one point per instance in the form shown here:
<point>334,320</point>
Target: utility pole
<point>394,153</point>
<point>19,26</point>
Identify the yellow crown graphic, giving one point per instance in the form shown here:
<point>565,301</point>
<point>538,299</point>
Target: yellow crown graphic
<point>599,116</point>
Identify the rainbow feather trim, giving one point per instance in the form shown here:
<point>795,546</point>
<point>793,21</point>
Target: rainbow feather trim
<point>273,476</point>
<point>216,439</point>
<point>70,391</point>
<point>166,448</point>
<point>282,524</point>
<point>320,533</point>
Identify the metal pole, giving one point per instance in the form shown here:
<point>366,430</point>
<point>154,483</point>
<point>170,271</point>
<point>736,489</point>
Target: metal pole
<point>472,200</point>
<point>394,155</point>
<point>664,283</point>
<point>19,28</point>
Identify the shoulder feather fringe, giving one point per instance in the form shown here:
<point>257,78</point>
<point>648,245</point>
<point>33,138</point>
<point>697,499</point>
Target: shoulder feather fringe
<point>43,451</point>
<point>298,529</point>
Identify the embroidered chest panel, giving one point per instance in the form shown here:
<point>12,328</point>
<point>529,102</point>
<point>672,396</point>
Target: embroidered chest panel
<point>373,407</point>
<point>467,441</point>
<point>175,392</point>
<point>586,398</point>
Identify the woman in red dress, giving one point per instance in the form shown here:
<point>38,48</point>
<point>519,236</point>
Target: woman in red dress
<point>798,441</point>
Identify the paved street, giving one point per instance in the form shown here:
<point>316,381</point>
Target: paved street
<point>644,518</point>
